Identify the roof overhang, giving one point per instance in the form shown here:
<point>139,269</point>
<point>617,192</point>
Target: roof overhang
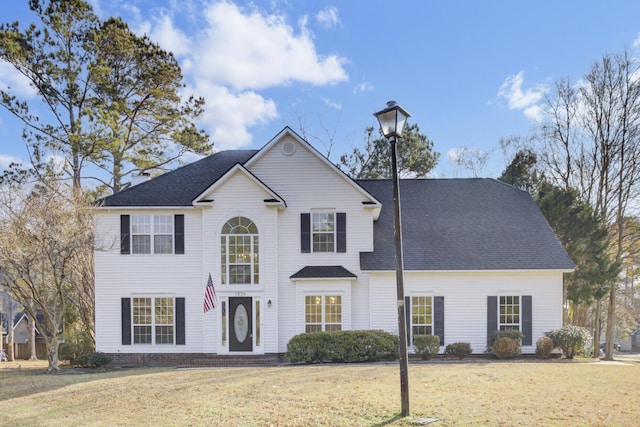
<point>323,272</point>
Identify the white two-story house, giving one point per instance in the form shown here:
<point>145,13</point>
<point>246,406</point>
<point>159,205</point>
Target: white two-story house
<point>294,245</point>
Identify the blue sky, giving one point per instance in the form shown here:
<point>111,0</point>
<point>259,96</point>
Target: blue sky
<point>469,72</point>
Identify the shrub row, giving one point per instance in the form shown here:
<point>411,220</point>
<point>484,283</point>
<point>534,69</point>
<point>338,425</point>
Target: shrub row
<point>369,346</point>
<point>342,346</point>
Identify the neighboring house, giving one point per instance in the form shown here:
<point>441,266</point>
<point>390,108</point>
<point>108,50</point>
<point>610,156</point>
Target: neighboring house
<point>21,328</point>
<point>634,337</point>
<point>293,245</point>
<point>21,335</point>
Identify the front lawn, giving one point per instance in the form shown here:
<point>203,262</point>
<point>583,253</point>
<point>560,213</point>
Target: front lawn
<point>475,392</point>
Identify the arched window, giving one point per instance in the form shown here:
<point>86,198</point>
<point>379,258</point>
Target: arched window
<point>239,247</point>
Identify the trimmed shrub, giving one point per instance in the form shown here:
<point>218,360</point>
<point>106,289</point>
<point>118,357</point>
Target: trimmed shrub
<point>506,348</point>
<point>570,339</point>
<point>342,346</point>
<point>544,347</point>
<point>459,349</point>
<point>507,333</point>
<point>426,346</point>
<point>98,359</point>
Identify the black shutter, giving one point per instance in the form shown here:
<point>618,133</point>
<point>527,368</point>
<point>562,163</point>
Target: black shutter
<point>492,318</point>
<point>438,318</point>
<point>407,315</point>
<point>125,246</point>
<point>305,233</point>
<point>527,321</point>
<point>180,329</point>
<point>341,232</point>
<point>125,303</point>
<point>178,227</point>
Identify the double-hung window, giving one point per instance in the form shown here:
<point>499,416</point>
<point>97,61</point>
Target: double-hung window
<point>509,313</point>
<point>152,234</point>
<point>421,316</point>
<point>323,313</point>
<point>323,232</point>
<point>153,320</point>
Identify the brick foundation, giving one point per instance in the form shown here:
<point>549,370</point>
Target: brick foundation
<point>193,360</point>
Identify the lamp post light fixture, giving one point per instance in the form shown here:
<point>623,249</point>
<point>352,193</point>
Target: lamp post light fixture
<point>392,121</point>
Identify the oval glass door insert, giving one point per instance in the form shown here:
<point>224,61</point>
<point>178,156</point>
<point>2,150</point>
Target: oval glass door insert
<point>241,323</point>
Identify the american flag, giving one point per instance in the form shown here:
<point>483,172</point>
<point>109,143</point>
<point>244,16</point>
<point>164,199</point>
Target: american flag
<point>209,295</point>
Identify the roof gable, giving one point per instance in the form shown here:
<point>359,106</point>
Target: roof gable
<point>270,196</point>
<point>288,142</point>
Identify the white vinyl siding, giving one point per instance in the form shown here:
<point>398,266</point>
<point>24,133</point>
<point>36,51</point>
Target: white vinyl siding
<point>118,276</point>
<point>465,300</point>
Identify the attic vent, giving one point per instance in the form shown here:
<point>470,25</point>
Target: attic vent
<point>288,147</point>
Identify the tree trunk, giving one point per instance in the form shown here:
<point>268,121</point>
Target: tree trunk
<point>596,332</point>
<point>11,354</point>
<point>31,340</point>
<point>611,321</point>
<point>52,352</point>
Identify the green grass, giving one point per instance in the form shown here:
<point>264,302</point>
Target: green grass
<point>477,392</point>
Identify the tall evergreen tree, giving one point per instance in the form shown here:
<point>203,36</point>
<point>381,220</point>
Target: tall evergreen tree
<point>416,157</point>
<point>106,96</point>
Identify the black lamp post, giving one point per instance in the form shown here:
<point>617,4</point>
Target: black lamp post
<point>392,120</point>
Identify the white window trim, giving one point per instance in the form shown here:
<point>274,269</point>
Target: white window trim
<point>226,280</point>
<point>432,324</point>
<point>153,320</point>
<point>335,229</point>
<point>152,233</point>
<point>519,324</point>
<point>310,287</point>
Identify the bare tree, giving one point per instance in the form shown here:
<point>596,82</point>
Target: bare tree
<point>45,236</point>
<point>590,141</point>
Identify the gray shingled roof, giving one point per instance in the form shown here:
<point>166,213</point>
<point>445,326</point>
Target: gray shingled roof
<point>448,224</point>
<point>181,186</point>
<point>323,272</point>
<point>462,224</point>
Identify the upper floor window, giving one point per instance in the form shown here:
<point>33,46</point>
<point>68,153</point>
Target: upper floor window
<point>152,234</point>
<point>323,231</point>
<point>239,251</point>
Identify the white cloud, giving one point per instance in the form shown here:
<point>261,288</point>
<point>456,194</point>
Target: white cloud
<point>232,54</point>
<point>229,115</point>
<point>636,42</point>
<point>169,37</point>
<point>518,99</point>
<point>256,51</point>
<point>332,104</point>
<point>6,160</point>
<point>362,87</point>
<point>328,17</point>
<point>14,82</point>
